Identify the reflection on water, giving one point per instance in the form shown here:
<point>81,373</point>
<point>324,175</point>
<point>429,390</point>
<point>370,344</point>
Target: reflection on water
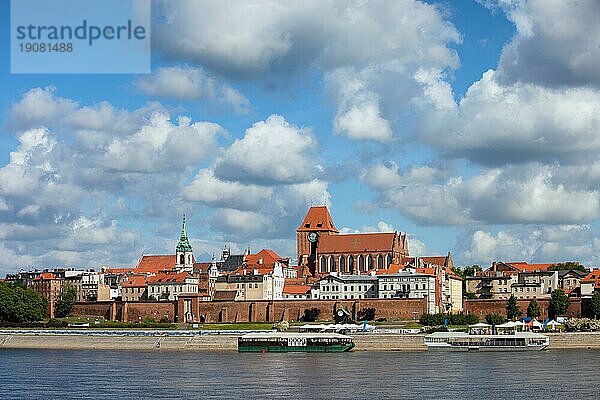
<point>84,374</point>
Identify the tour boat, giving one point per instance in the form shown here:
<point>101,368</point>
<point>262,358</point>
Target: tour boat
<point>483,337</point>
<point>261,342</point>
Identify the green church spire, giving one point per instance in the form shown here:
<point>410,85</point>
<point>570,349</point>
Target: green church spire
<point>184,243</point>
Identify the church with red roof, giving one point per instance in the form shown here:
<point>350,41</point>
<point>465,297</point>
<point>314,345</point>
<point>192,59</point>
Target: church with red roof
<point>323,249</point>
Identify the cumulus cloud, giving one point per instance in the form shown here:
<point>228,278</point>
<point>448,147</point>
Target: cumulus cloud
<point>531,243</point>
<point>556,42</point>
<point>271,151</point>
<point>189,83</point>
<point>527,194</point>
<point>208,189</point>
<point>497,123</point>
<point>367,51</point>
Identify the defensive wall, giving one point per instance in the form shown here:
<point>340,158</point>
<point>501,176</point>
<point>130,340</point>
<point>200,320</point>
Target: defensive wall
<point>290,310</point>
<point>245,311</point>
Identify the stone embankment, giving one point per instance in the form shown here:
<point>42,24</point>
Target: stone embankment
<point>228,342</point>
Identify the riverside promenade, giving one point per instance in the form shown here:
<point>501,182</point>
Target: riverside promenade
<point>227,341</point>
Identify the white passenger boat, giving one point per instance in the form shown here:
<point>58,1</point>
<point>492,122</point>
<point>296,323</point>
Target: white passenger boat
<point>483,337</point>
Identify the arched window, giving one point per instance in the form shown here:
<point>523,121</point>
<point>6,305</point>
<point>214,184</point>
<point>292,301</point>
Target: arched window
<point>322,266</point>
<point>380,262</point>
<point>351,264</point>
<point>361,263</point>
<point>343,264</point>
<point>189,259</point>
<point>388,261</point>
<point>181,259</point>
<point>369,262</point>
<point>332,266</point>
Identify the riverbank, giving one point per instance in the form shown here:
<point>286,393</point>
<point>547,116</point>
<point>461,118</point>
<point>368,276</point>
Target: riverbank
<point>228,342</point>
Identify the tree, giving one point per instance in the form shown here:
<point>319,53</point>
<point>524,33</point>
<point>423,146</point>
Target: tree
<point>494,319</point>
<point>596,304</point>
<point>18,304</point>
<point>366,314</point>
<point>512,308</point>
<point>568,266</point>
<point>463,272</point>
<point>311,314</point>
<point>64,305</point>
<point>533,309</point>
<point>559,303</point>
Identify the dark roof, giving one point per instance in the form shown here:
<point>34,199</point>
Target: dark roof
<point>224,295</point>
<point>579,274</point>
<point>232,263</point>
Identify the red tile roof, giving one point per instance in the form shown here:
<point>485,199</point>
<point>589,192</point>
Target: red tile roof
<point>168,278</point>
<point>317,219</point>
<point>525,267</point>
<point>157,263</point>
<point>592,277</point>
<point>135,281</point>
<point>117,270</point>
<point>269,257</point>
<point>356,242</point>
<point>45,276</point>
<point>296,289</point>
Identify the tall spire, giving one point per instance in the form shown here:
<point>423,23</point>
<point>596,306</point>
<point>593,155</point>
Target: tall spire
<point>184,243</point>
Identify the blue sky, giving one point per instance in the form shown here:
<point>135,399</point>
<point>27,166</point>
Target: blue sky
<point>471,125</point>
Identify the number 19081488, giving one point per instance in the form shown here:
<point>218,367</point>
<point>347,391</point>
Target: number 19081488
<point>46,47</point>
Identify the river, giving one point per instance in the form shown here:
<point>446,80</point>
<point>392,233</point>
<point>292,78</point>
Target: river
<point>88,374</point>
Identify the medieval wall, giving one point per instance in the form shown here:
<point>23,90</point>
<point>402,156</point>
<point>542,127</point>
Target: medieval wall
<point>293,310</point>
<point>483,307</point>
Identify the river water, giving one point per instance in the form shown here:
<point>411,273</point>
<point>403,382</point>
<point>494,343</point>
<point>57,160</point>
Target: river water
<point>85,374</point>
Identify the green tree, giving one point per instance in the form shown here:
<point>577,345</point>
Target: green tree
<point>533,309</point>
<point>568,266</point>
<point>311,314</point>
<point>494,319</point>
<point>64,305</point>
<point>18,304</point>
<point>512,308</point>
<point>559,303</point>
<point>463,272</point>
<point>596,304</point>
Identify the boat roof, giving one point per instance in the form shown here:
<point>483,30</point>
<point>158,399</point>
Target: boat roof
<point>465,335</point>
<point>266,335</point>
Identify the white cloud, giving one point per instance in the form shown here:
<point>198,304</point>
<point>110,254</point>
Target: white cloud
<point>528,194</point>
<point>367,51</point>
<point>210,190</point>
<point>272,151</point>
<point>556,42</point>
<point>496,123</point>
<point>161,145</point>
<point>532,243</point>
<point>39,106</point>
<point>189,83</point>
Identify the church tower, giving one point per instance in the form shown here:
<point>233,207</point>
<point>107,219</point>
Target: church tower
<point>317,222</point>
<point>183,252</point>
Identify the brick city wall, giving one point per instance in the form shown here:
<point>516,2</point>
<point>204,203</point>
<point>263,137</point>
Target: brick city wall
<point>293,310</point>
<point>101,309</point>
<point>126,311</point>
<point>483,307</point>
<point>247,311</point>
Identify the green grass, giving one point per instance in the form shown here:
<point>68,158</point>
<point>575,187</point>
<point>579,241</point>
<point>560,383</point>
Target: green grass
<point>238,326</point>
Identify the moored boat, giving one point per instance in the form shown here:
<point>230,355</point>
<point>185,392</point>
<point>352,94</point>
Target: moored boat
<point>483,337</point>
<point>261,342</point>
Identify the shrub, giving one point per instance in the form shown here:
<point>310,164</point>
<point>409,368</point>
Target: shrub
<point>453,319</point>
<point>494,319</point>
<point>311,314</point>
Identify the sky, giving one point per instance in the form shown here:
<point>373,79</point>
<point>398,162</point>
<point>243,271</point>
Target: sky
<point>473,126</point>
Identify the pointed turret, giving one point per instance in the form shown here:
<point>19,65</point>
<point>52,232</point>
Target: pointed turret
<point>184,243</point>
<point>184,252</point>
